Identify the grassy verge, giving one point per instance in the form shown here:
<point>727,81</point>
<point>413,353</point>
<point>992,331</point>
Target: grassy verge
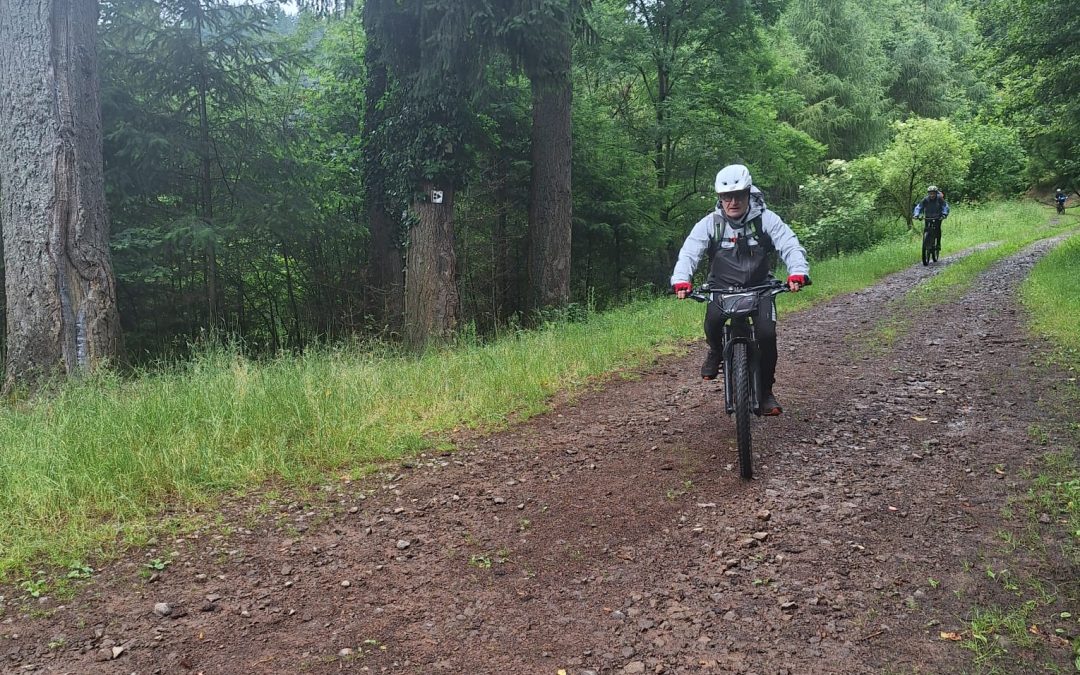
<point>1042,617</point>
<point>91,467</point>
<point>1052,296</point>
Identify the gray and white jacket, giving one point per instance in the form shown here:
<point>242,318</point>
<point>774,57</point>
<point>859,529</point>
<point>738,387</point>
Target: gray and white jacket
<point>735,265</point>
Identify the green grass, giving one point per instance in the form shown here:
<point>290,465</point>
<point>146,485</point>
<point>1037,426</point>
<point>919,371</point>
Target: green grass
<point>1052,294</point>
<point>988,628</point>
<point>1001,635</point>
<point>94,465</point>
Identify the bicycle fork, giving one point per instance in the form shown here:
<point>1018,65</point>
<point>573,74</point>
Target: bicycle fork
<point>744,334</point>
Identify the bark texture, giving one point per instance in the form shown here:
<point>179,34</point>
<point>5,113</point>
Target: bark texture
<point>61,295</point>
<point>550,206</point>
<point>431,294</point>
<point>386,275</point>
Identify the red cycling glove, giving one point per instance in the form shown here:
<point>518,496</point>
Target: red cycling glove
<point>682,286</point>
<point>801,279</point>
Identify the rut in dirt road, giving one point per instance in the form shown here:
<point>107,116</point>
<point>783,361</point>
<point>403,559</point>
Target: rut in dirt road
<point>613,535</point>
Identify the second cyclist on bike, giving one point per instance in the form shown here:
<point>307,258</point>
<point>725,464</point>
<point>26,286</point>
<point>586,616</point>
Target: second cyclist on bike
<point>934,209</point>
<point>740,238</point>
<point>1059,200</point>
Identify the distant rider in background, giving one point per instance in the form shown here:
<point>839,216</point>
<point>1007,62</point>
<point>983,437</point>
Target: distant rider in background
<point>739,237</point>
<point>1059,199</point>
<point>934,209</point>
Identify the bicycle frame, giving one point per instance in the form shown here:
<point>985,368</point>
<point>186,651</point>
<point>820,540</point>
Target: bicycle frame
<point>742,357</point>
<point>932,225</point>
<point>738,329</point>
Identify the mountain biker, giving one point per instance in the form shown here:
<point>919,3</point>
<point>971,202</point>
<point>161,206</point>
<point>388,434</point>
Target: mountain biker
<point>1060,197</point>
<point>739,237</point>
<point>933,207</point>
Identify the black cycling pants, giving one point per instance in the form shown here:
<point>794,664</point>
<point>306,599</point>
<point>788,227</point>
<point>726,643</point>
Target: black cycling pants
<point>932,233</point>
<point>764,329</point>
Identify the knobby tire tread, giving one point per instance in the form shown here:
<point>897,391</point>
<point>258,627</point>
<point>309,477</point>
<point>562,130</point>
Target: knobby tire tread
<point>740,363</point>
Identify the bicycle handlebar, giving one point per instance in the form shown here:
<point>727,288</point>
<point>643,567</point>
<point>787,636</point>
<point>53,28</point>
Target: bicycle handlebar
<point>704,292</point>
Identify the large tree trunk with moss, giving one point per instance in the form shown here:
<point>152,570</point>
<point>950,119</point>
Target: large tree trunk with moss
<point>61,294</point>
<point>431,295</point>
<point>550,199</point>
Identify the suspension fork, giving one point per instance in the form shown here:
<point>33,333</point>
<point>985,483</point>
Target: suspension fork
<point>741,330</point>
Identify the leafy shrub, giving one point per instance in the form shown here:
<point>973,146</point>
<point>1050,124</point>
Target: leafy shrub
<point>998,162</point>
<point>836,212</point>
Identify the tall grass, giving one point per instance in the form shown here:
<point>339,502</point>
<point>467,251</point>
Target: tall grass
<point>93,465</point>
<point>1052,294</point>
<point>94,462</point>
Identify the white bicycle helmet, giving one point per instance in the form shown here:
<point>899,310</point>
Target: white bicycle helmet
<point>932,188</point>
<point>733,178</point>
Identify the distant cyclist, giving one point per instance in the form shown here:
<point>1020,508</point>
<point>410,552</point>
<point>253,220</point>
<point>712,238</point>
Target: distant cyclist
<point>934,209</point>
<point>1059,200</point>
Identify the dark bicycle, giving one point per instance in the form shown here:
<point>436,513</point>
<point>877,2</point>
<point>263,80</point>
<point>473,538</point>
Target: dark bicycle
<point>931,240</point>
<point>1060,206</point>
<point>742,371</point>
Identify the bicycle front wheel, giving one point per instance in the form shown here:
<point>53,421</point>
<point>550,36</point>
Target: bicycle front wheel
<point>926,245</point>
<point>740,376</point>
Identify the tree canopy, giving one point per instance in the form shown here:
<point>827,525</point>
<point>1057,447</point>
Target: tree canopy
<point>266,174</point>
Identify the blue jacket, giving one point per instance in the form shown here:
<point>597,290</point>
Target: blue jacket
<point>932,209</point>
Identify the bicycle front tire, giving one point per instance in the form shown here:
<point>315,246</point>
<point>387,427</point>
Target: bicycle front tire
<point>740,364</point>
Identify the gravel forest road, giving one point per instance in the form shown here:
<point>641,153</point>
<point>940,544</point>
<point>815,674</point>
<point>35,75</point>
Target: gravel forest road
<point>613,534</point>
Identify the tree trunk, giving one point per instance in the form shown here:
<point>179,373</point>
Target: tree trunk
<point>206,184</point>
<point>550,199</point>
<point>61,294</point>
<point>386,275</point>
<point>431,294</point>
<point>387,271</point>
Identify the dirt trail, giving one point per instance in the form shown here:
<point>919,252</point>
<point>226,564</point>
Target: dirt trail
<point>613,535</point>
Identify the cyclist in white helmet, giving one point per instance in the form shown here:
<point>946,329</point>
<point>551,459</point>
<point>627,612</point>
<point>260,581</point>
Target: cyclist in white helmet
<point>739,237</point>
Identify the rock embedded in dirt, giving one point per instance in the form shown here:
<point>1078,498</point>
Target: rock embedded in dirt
<point>162,609</point>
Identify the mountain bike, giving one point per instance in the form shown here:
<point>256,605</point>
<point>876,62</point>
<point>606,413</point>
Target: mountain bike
<point>1060,206</point>
<point>931,240</point>
<point>742,369</point>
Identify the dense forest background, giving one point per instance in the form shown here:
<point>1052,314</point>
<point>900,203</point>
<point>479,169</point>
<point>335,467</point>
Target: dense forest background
<point>262,168</point>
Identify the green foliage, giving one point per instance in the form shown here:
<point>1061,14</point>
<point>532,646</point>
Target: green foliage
<point>616,205</point>
<point>843,76</point>
<point>998,162</point>
<point>923,152</point>
<point>1033,53</point>
<point>837,211</point>
<point>927,44</point>
<point>260,206</point>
